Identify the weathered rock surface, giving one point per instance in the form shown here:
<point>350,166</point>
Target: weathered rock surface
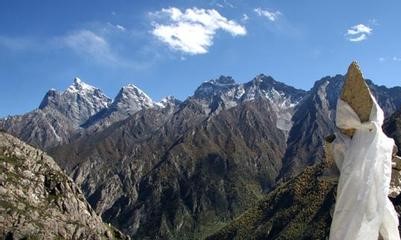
<point>356,93</point>
<point>38,201</point>
<point>77,103</point>
<point>129,100</point>
<point>392,127</point>
<point>41,128</point>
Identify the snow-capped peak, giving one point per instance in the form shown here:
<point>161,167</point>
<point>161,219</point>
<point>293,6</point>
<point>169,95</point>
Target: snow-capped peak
<point>166,101</point>
<point>132,99</point>
<point>132,93</point>
<point>221,81</point>
<point>78,102</point>
<point>134,90</point>
<point>213,87</point>
<point>80,86</point>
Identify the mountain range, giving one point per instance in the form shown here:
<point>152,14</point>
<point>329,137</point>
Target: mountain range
<point>183,170</point>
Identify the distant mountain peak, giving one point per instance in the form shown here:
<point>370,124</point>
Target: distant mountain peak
<point>78,102</point>
<point>168,101</point>
<point>130,91</point>
<point>266,81</point>
<point>215,87</point>
<point>262,76</point>
<point>222,80</point>
<point>79,86</point>
<point>77,80</point>
<point>131,99</point>
<point>131,88</point>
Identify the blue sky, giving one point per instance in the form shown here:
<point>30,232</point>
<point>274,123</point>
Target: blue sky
<point>170,47</point>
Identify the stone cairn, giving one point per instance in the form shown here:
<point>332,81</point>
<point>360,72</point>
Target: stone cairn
<point>357,94</point>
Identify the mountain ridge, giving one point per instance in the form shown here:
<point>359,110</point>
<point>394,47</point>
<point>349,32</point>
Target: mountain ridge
<point>178,170</point>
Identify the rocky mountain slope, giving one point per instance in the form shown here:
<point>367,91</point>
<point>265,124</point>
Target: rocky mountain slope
<point>38,201</point>
<point>297,209</point>
<point>59,115</point>
<point>78,102</point>
<point>79,110</point>
<point>225,93</point>
<point>158,160</point>
<point>392,127</point>
<point>128,101</point>
<point>184,174</point>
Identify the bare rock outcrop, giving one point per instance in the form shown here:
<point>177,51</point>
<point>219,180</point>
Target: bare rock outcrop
<point>38,201</point>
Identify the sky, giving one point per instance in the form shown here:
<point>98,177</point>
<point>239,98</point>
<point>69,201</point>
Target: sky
<point>171,47</point>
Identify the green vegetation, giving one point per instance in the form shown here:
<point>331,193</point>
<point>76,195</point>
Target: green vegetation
<point>298,209</point>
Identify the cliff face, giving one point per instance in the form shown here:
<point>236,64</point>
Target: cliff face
<point>38,201</point>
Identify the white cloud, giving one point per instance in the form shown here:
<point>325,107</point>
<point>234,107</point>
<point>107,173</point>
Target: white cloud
<point>107,29</point>
<point>382,59</point>
<point>272,16</point>
<point>357,29</point>
<point>358,33</point>
<point>359,38</point>
<point>193,30</point>
<point>121,28</point>
<point>89,44</point>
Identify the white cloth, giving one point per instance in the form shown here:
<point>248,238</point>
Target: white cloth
<point>362,207</point>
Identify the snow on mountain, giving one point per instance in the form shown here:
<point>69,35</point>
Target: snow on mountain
<point>93,95</point>
<point>132,99</point>
<point>129,100</point>
<point>225,93</point>
<point>79,86</point>
<point>214,87</point>
<point>283,98</point>
<point>78,102</point>
<point>167,101</point>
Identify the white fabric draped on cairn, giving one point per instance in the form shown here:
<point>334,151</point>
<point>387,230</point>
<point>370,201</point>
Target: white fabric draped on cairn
<point>362,209</point>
